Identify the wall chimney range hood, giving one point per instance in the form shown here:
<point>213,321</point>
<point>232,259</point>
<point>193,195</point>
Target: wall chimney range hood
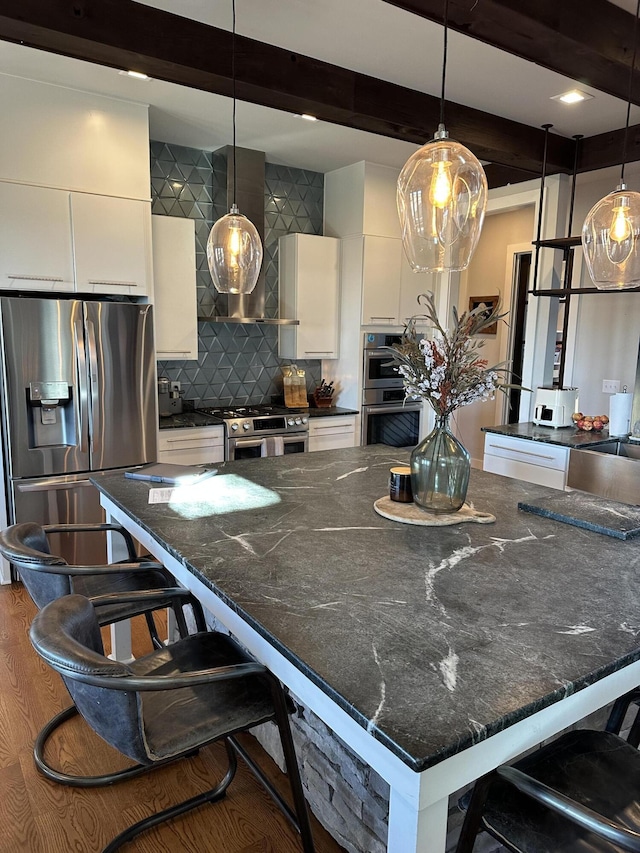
<point>247,307</point>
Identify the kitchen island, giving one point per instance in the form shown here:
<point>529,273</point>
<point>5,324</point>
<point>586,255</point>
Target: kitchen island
<point>434,653</point>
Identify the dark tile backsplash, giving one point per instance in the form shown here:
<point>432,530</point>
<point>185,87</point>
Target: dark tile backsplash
<point>237,363</point>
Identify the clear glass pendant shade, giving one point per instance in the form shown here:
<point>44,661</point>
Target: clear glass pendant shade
<point>442,196</point>
<point>234,253</point>
<point>611,240</point>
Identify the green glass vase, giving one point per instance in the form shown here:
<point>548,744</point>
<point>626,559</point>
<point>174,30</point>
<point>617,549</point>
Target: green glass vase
<point>440,470</point>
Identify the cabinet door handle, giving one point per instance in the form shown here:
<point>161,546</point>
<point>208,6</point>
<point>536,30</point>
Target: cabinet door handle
<point>316,352</point>
<point>523,452</point>
<point>373,319</point>
<point>335,429</point>
<point>202,442</point>
<point>35,277</point>
<point>113,283</point>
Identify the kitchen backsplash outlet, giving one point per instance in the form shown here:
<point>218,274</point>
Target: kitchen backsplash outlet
<point>236,363</point>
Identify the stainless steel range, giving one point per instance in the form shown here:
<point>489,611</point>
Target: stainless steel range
<point>261,430</point>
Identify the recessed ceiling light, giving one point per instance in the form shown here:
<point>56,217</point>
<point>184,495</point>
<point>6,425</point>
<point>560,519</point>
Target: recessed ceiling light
<point>137,74</point>
<point>305,116</point>
<point>574,96</point>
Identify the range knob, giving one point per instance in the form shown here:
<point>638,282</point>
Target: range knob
<point>298,421</point>
<point>234,427</point>
<point>246,425</point>
<point>290,422</point>
<point>305,420</point>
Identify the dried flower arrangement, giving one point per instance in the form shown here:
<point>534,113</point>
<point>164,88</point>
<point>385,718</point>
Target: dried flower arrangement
<point>447,371</point>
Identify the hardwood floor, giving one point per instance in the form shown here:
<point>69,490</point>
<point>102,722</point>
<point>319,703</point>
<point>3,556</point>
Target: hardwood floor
<point>38,816</point>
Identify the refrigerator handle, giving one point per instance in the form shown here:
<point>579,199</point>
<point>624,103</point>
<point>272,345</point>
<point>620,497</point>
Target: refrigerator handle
<point>93,379</point>
<point>82,404</point>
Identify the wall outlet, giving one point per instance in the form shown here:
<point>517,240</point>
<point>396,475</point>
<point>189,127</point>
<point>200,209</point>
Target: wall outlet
<point>610,386</point>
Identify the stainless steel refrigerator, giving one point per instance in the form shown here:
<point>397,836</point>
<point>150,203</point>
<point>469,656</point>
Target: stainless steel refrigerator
<point>78,396</point>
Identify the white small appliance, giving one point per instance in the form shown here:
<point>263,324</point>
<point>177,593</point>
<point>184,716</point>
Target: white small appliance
<point>554,406</point>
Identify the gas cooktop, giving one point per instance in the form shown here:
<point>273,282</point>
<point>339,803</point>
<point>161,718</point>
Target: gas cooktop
<point>253,411</point>
<point>259,419</point>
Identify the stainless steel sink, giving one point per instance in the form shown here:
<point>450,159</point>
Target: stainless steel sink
<point>617,448</point>
<point>610,470</point>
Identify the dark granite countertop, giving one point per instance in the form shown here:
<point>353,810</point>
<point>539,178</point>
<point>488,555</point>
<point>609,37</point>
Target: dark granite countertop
<point>326,411</point>
<point>197,419</point>
<point>189,419</point>
<point>430,638</point>
<point>563,436</point>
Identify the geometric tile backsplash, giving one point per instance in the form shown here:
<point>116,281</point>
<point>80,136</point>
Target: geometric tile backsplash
<point>237,363</point>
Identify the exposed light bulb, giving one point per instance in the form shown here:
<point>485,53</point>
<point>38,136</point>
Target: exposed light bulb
<point>235,243</point>
<point>620,227</point>
<point>441,190</point>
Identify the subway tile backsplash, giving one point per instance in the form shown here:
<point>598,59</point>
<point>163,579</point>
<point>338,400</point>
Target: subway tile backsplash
<point>237,363</point>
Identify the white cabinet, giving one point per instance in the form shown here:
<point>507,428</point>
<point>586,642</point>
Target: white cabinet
<point>52,240</point>
<point>532,461</point>
<point>111,244</point>
<point>309,285</point>
<point>381,269</point>
<point>389,288</point>
<point>332,432</point>
<point>412,284</point>
<point>191,445</point>
<point>35,239</point>
<point>54,136</point>
<point>174,287</point>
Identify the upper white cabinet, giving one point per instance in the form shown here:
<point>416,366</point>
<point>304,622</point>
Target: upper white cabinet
<point>53,136</point>
<point>35,239</point>
<point>412,284</point>
<point>111,244</point>
<point>174,287</point>
<point>361,199</point>
<point>381,265</point>
<point>52,240</point>
<point>309,278</point>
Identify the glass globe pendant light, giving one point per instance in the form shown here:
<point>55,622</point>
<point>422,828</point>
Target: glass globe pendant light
<point>441,198</point>
<point>234,248</point>
<point>611,231</point>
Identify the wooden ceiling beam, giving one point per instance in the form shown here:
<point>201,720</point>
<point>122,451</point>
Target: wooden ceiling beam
<point>126,34</point>
<point>589,41</point>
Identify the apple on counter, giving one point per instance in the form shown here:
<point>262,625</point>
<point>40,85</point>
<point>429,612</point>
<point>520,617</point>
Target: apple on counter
<point>590,422</point>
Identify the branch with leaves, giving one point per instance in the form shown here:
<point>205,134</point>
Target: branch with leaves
<point>448,371</point>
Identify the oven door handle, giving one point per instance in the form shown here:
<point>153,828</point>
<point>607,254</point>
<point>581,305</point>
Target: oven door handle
<point>391,410</point>
<point>236,443</point>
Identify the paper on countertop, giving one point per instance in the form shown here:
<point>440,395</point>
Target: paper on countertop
<point>160,496</point>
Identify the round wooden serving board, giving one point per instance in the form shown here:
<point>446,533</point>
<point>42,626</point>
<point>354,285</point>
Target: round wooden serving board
<point>413,514</point>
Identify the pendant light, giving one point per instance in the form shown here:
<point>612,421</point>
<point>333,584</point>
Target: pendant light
<point>234,249</point>
<point>611,231</point>
<point>441,197</point>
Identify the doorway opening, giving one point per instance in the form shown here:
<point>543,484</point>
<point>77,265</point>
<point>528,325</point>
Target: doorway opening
<point>520,292</point>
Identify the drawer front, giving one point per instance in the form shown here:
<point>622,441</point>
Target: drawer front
<point>191,446</point>
<point>551,477</point>
<point>528,452</point>
<point>332,426</point>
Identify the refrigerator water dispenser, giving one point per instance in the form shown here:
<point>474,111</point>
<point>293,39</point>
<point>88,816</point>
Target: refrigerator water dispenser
<point>51,416</point>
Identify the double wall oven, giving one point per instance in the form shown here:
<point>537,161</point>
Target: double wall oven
<point>386,417</point>
<point>255,431</point>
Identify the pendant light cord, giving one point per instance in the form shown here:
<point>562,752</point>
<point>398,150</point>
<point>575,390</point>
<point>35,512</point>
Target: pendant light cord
<point>444,58</point>
<point>233,79</point>
<point>629,92</point>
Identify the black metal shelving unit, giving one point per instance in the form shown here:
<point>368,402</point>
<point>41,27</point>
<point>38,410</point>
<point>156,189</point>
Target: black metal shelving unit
<point>567,246</point>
